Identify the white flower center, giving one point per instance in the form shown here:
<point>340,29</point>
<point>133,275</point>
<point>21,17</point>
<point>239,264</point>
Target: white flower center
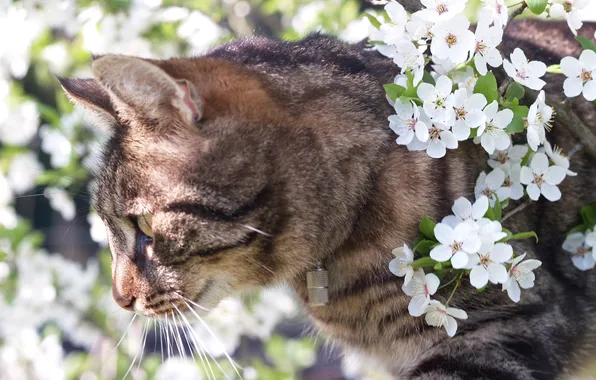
<point>441,8</point>
<point>456,247</point>
<point>502,157</point>
<point>411,124</point>
<point>586,76</point>
<point>499,9</point>
<point>461,113</point>
<point>581,251</point>
<point>488,192</point>
<point>480,47</point>
<point>434,133</point>
<point>538,179</point>
<point>508,182</point>
<point>484,260</point>
<point>522,74</point>
<point>451,40</point>
<point>568,6</point>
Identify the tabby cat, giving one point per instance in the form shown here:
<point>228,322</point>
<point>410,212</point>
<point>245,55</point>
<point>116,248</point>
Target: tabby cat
<point>261,160</point>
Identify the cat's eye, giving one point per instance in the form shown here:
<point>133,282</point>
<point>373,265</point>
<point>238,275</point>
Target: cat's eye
<point>145,223</point>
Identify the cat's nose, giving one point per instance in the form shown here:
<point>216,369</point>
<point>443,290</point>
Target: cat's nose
<point>127,303</point>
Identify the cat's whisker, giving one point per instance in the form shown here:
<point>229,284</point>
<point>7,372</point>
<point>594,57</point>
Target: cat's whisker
<point>144,342</point>
<point>167,328</point>
<point>159,322</point>
<point>232,362</point>
<point>178,337</point>
<point>254,229</point>
<point>261,265</point>
<point>131,364</point>
<point>204,360</point>
<point>195,304</point>
<point>109,355</point>
<point>200,348</point>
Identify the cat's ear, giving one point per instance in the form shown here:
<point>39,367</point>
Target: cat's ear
<point>91,97</point>
<point>141,90</point>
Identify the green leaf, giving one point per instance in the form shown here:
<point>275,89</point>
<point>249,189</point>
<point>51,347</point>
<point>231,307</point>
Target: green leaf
<point>517,125</point>
<point>394,91</point>
<point>424,247</point>
<point>427,78</point>
<point>490,214</point>
<point>487,86</point>
<point>586,43</point>
<point>427,228</point>
<point>497,209</point>
<point>373,20</point>
<point>524,235</point>
<point>514,91</point>
<point>424,262</point>
<point>588,214</point>
<point>480,290</point>
<point>537,6</point>
<point>3,256</point>
<point>581,228</point>
<point>438,266</point>
<point>554,69</point>
<point>508,237</point>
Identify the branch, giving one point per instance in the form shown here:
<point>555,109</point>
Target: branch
<point>516,210</point>
<point>567,117</point>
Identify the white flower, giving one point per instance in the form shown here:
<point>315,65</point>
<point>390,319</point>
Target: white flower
<point>490,232</point>
<point>582,252</point>
<point>487,40</point>
<point>23,171</point>
<point>468,113</point>
<point>437,10</point>
<point>463,210</point>
<point>520,275</point>
<point>440,139</point>
<point>456,243</point>
<point>409,57</point>
<point>513,155</point>
<point>558,158</point>
<point>513,181</point>
<point>452,40</point>
<point>492,135</point>
<point>489,265</point>
<point>438,315</point>
<point>19,124</point>
<point>407,124</point>
<point>179,368</point>
<point>496,11</point>
<point>61,202</point>
<point>393,31</point>
<point>525,72</point>
<point>580,75</point>
<point>571,9</point>
<point>491,185</point>
<point>539,121</point>
<point>57,145</point>
<point>420,288</point>
<point>401,266</point>
<point>97,229</point>
<point>438,100</point>
<point>542,179</point>
<point>465,79</point>
<point>418,28</point>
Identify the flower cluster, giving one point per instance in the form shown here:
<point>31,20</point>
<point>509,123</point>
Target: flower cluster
<point>580,242</point>
<point>469,245</point>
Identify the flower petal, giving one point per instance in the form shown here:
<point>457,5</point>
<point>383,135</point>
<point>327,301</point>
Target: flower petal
<point>432,283</point>
<point>533,191</point>
<point>441,253</point>
<point>497,274</point>
<point>513,290</point>
<point>554,175</point>
<point>501,252</point>
<point>479,277</point>
<point>418,305</point>
<point>459,260</point>
<point>550,192</point>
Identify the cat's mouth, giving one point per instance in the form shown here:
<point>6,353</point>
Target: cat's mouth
<point>176,303</point>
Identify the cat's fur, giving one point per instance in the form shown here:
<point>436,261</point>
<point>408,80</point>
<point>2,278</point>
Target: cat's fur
<point>293,140</point>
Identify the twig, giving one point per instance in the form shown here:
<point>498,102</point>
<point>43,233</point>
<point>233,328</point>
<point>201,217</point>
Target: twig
<point>503,87</point>
<point>513,15</point>
<point>516,210</point>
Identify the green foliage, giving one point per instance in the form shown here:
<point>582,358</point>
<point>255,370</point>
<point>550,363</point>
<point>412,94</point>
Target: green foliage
<point>427,228</point>
<point>524,235</point>
<point>424,247</point>
<point>373,20</point>
<point>394,91</point>
<point>586,43</point>
<point>514,91</point>
<point>487,86</point>
<point>537,6</point>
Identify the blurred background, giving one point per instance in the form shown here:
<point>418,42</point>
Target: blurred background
<point>58,319</point>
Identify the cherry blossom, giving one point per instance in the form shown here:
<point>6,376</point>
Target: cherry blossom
<point>489,266</point>
<point>580,75</point>
<point>487,40</point>
<point>468,113</point>
<point>570,9</point>
<point>558,158</point>
<point>439,315</point>
<point>492,134</point>
<point>539,121</point>
<point>438,101</point>
<point>513,155</point>
<point>463,210</point>
<point>440,139</point>
<point>525,72</point>
<point>513,181</point>
<point>407,123</point>
<point>456,243</point>
<point>452,39</point>
<point>496,10</point>
<point>541,178</point>
<point>409,57</point>
<point>582,254</point>
<point>420,288</point>
<point>465,78</point>
<point>491,185</point>
<point>520,275</point>
<point>418,28</point>
<point>393,31</point>
<point>438,10</point>
<point>401,265</point>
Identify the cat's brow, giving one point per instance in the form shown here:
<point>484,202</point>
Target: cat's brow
<point>218,214</point>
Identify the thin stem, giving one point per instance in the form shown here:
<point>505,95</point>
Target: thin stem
<point>457,284</point>
<point>448,283</point>
<point>516,210</point>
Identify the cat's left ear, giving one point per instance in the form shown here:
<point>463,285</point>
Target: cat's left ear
<point>143,92</point>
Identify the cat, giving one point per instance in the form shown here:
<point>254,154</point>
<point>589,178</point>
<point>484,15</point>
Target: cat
<point>263,159</point>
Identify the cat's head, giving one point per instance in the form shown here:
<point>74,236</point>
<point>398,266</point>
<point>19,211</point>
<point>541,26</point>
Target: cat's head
<point>209,186</point>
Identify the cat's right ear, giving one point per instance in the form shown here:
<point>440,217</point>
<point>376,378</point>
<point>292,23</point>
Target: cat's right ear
<point>91,97</point>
